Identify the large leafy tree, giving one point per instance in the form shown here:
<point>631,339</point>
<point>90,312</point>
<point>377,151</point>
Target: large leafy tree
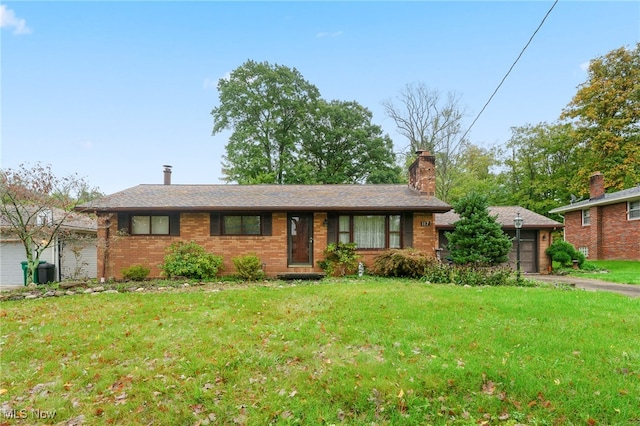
<point>268,108</point>
<point>346,147</point>
<point>474,173</point>
<point>541,166</point>
<point>431,123</point>
<point>283,132</point>
<point>36,207</point>
<point>606,114</point>
<point>477,237</point>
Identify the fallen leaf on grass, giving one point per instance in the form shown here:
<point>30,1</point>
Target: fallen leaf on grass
<point>488,387</point>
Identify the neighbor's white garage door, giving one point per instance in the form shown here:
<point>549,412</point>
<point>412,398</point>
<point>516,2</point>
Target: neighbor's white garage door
<point>11,254</point>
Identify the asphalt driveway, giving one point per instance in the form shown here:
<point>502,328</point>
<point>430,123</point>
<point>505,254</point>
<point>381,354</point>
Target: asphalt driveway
<point>590,284</point>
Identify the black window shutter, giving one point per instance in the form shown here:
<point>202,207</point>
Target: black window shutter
<point>174,224</point>
<point>407,230</point>
<point>332,228</point>
<point>266,224</point>
<point>123,222</point>
<point>214,224</point>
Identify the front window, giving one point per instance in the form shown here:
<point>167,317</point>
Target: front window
<point>241,225</point>
<point>370,231</point>
<point>634,210</point>
<point>150,225</point>
<point>586,217</point>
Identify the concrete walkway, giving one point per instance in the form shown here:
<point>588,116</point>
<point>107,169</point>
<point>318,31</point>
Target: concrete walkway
<point>589,284</point>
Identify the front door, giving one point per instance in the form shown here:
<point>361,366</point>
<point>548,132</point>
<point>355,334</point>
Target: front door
<point>300,236</point>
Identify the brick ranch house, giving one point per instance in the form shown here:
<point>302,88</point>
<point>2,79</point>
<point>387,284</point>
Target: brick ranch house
<point>606,226</point>
<point>287,226</point>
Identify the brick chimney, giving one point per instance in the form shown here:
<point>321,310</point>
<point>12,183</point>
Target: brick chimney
<point>422,174</point>
<point>596,186</point>
<point>167,175</point>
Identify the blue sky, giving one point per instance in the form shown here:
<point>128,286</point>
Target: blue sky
<point>114,90</point>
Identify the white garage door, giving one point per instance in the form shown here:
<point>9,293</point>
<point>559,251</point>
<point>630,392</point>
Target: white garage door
<point>11,254</point>
<point>79,261</point>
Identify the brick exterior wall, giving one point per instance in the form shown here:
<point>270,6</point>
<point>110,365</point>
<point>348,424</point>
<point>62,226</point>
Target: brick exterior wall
<point>122,251</point>
<point>610,236</point>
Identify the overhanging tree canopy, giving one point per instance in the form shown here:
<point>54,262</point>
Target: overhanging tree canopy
<point>283,132</point>
<point>606,117</point>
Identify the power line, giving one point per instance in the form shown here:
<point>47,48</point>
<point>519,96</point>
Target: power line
<point>511,68</point>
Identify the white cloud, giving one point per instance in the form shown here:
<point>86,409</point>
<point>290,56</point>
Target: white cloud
<point>328,34</point>
<point>8,19</point>
<point>585,66</point>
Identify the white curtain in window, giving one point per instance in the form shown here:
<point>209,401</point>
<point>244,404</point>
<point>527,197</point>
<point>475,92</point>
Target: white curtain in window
<point>140,225</point>
<point>160,225</point>
<point>368,231</point>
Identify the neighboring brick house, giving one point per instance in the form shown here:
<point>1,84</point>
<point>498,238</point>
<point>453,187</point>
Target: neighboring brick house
<point>606,226</point>
<point>536,235</point>
<point>287,226</point>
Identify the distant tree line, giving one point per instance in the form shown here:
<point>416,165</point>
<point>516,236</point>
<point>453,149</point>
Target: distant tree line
<point>283,131</point>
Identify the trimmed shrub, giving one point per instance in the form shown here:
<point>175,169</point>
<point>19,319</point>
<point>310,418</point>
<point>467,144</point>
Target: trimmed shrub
<point>135,273</point>
<point>190,260</point>
<point>478,276</point>
<point>402,263</point>
<point>248,267</point>
<point>340,259</point>
<point>438,273</point>
<point>564,253</point>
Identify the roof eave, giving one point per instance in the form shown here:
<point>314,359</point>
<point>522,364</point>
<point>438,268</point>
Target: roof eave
<point>594,203</point>
<point>427,209</point>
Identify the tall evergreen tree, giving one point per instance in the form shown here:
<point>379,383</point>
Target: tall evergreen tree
<point>477,238</point>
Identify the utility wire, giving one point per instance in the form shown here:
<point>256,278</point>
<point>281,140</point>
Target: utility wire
<point>511,68</point>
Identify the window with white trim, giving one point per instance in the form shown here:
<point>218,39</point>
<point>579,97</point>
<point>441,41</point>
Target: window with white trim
<point>584,250</point>
<point>586,217</point>
<point>633,210</point>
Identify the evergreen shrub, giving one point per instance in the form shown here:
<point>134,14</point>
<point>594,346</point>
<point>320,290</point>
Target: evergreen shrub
<point>248,267</point>
<point>135,273</point>
<point>190,260</point>
<point>564,253</point>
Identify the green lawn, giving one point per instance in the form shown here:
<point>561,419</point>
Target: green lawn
<point>351,351</point>
<point>617,271</point>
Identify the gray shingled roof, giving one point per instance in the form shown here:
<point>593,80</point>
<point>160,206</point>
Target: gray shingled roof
<point>267,197</point>
<point>630,194</point>
<point>505,216</point>
<point>73,221</point>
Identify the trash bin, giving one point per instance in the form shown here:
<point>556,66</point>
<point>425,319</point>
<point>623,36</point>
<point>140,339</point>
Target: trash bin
<point>46,273</point>
<point>24,264</point>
